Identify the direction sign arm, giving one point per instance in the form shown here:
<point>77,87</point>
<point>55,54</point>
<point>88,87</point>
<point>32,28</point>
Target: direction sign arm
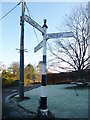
<point>33,23</point>
<point>60,35</point>
<point>39,46</point>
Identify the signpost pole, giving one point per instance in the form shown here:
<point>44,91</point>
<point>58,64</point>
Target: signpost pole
<point>21,83</point>
<point>43,99</point>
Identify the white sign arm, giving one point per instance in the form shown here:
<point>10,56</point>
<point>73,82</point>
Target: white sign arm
<point>60,35</point>
<point>39,46</point>
<point>33,23</point>
<point>54,35</point>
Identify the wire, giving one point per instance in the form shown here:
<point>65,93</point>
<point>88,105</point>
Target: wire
<point>27,10</point>
<point>33,27</point>
<point>9,11</point>
<point>35,34</point>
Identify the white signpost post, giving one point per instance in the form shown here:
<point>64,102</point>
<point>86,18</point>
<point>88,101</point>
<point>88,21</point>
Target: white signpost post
<point>43,30</point>
<point>43,98</point>
<point>43,102</point>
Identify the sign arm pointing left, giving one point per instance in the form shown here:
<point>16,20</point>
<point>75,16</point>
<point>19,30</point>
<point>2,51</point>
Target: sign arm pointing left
<point>33,23</point>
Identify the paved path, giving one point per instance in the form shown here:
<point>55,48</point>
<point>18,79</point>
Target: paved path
<point>10,109</point>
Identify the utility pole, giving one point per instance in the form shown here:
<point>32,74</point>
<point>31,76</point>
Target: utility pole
<point>21,83</point>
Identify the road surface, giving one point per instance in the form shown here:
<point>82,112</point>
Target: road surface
<point>12,110</point>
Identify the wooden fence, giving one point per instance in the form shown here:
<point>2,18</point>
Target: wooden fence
<point>66,77</point>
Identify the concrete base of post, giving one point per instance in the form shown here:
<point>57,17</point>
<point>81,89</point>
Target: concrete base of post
<point>44,112</point>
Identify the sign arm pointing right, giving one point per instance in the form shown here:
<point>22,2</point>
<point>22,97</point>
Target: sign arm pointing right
<point>54,35</point>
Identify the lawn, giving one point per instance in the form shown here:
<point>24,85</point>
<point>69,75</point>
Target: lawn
<point>62,101</point>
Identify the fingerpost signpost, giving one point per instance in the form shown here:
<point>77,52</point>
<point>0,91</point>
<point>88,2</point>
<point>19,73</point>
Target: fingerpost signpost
<point>43,43</point>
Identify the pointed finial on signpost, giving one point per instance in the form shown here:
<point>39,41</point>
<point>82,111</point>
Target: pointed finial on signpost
<point>45,23</point>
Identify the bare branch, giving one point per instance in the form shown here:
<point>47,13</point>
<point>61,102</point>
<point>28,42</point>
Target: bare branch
<point>73,52</point>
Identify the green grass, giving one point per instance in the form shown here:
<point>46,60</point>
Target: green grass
<point>62,101</point>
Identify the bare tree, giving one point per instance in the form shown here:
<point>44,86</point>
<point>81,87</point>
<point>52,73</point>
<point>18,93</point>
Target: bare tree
<point>71,53</point>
